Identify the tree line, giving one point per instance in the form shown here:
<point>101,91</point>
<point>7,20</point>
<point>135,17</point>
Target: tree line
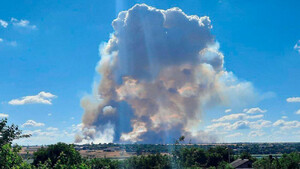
<point>252,148</point>
<point>65,156</point>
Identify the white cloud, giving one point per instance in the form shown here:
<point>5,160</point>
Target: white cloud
<point>133,136</point>
<point>228,126</point>
<point>284,117</point>
<point>278,123</point>
<point>77,128</point>
<point>49,114</point>
<point>242,124</point>
<point>52,129</point>
<point>286,125</point>
<point>1,40</point>
<point>260,124</point>
<point>257,133</point>
<point>32,123</point>
<point>2,115</point>
<point>235,135</point>
<point>41,98</point>
<point>44,137</point>
<point>22,23</point>
<point>50,135</point>
<point>108,110</point>
<point>297,132</point>
<point>297,46</point>
<point>215,126</point>
<point>254,110</point>
<point>293,99</point>
<point>227,110</point>
<point>3,23</point>
<point>239,116</point>
<point>297,112</point>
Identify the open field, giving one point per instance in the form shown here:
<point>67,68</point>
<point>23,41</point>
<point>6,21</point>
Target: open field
<point>119,154</point>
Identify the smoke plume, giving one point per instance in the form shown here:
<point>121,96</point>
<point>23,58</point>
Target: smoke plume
<point>158,70</point>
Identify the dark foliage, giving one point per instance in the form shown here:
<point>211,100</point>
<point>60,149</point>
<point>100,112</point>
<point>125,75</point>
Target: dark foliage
<point>64,153</point>
<point>9,133</point>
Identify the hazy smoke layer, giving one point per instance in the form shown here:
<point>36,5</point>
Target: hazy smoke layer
<point>158,70</point>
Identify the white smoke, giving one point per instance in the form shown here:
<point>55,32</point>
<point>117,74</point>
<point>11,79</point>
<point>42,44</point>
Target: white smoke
<point>158,70</point>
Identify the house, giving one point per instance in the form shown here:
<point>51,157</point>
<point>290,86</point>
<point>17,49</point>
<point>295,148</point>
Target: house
<point>242,164</point>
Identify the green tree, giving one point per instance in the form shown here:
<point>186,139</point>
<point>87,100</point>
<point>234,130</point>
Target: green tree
<point>287,161</point>
<point>224,165</point>
<point>103,163</point>
<point>9,157</point>
<point>214,159</point>
<point>200,157</point>
<point>263,163</point>
<point>193,157</point>
<point>291,160</point>
<point>247,155</point>
<point>225,152</point>
<point>60,152</point>
<point>9,133</point>
<point>156,161</point>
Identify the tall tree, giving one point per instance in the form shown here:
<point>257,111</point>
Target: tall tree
<point>9,133</point>
<point>9,157</point>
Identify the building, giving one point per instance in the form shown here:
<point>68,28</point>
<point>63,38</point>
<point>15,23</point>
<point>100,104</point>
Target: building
<point>242,164</point>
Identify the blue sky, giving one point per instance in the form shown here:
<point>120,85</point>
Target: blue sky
<point>53,46</point>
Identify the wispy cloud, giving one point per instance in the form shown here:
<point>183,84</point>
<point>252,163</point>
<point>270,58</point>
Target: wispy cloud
<point>227,110</point>
<point>228,126</point>
<point>3,23</point>
<point>239,116</point>
<point>50,135</point>
<point>285,125</point>
<point>8,43</point>
<point>235,135</point>
<point>41,98</point>
<point>257,133</point>
<point>32,123</point>
<point>22,23</point>
<point>298,112</point>
<point>52,129</point>
<point>293,99</point>
<point>297,46</point>
<point>2,115</point>
<point>11,43</point>
<point>241,124</point>
<point>254,110</point>
<point>259,124</point>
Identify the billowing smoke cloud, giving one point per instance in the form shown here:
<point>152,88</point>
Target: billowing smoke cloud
<point>158,70</point>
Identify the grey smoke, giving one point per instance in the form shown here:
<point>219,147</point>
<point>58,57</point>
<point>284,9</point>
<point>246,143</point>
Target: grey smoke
<point>158,70</point>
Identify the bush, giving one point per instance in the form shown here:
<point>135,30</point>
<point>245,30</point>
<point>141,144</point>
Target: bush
<point>287,161</point>
<point>9,156</point>
<point>147,162</point>
<point>103,163</point>
<point>63,153</point>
